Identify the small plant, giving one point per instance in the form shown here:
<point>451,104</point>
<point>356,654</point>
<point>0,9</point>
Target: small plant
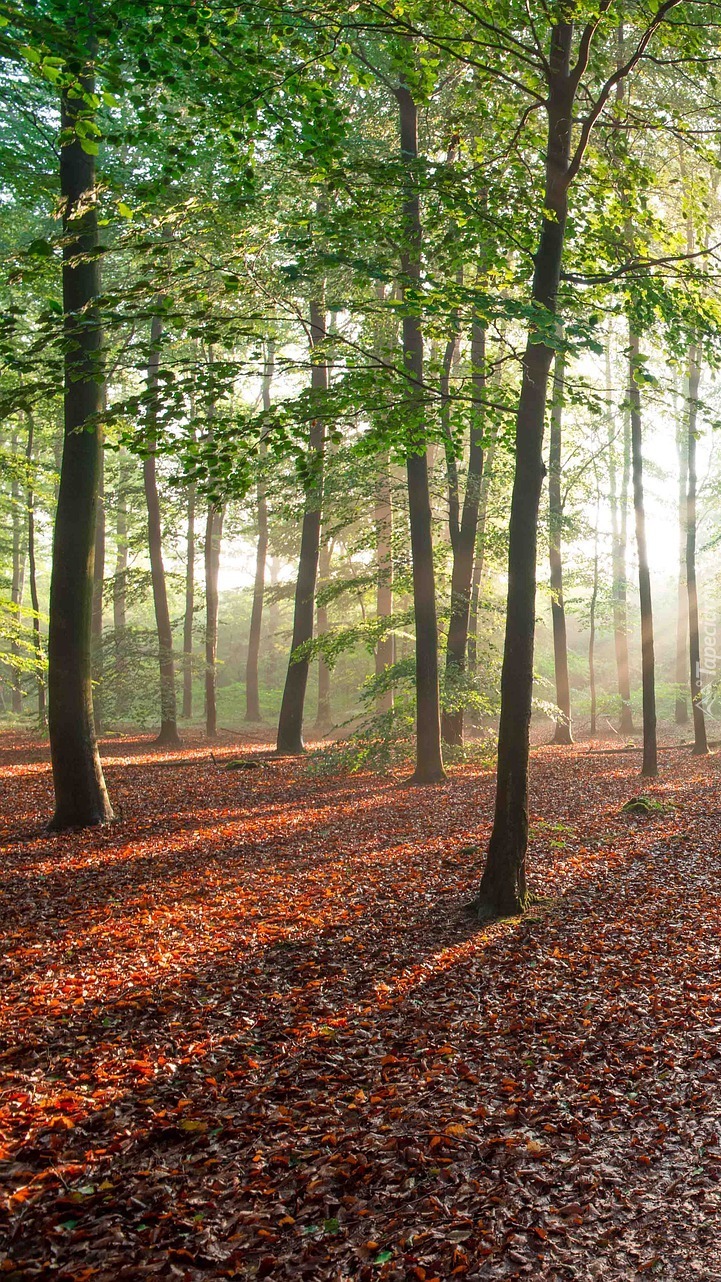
<point>644,805</point>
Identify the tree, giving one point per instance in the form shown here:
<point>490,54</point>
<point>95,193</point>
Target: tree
<point>562,733</point>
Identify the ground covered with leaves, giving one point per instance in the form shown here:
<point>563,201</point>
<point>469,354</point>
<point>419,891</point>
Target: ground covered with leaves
<point>251,1030</point>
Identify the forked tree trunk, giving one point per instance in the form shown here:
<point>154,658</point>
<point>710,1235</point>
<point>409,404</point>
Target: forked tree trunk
<point>18,576</point>
<point>252,685</point>
<point>429,760</point>
<point>463,541</point>
<point>619,522</point>
<point>213,537</point>
<point>120,587</point>
<point>648,676</point>
<point>189,606</point>
<point>562,733</point>
<point>81,797</point>
<point>503,885</point>
<point>681,710</point>
<point>98,581</point>
<point>32,571</point>
<point>383,515</point>
<point>168,711</point>
<point>700,743</point>
<point>290,722</point>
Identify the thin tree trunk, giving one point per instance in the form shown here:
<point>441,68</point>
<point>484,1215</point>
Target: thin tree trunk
<point>18,577</point>
<point>81,797</point>
<point>429,759</point>
<point>592,628</point>
<point>290,722</point>
<point>480,558</point>
<point>464,545</point>
<point>120,588</point>
<point>503,885</point>
<point>252,688</point>
<point>618,556</point>
<point>324,719</point>
<point>700,743</point>
<point>648,675</point>
<point>562,733</point>
<point>213,537</point>
<point>32,571</point>
<point>383,515</point>
<point>681,710</point>
<point>168,712</point>
<point>189,606</point>
<point>98,581</point>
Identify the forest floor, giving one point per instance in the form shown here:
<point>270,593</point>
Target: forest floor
<point>250,1030</point>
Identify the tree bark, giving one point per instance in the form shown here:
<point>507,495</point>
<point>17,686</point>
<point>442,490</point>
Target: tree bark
<point>480,558</point>
<point>429,759</point>
<point>213,537</point>
<point>681,709</point>
<point>503,885</point>
<point>189,606</point>
<point>464,545</point>
<point>562,733</point>
<point>18,577</point>
<point>324,718</point>
<point>98,581</point>
<point>81,797</point>
<point>120,588</point>
<point>592,625</point>
<point>32,571</point>
<point>290,722</point>
<point>648,677</point>
<point>383,516</point>
<point>700,743</point>
<point>252,688</point>
<point>618,557</point>
<point>168,711</point>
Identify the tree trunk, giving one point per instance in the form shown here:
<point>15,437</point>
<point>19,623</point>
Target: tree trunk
<point>252,688</point>
<point>81,798</point>
<point>429,759</point>
<point>383,515</point>
<point>98,580</point>
<point>120,588</point>
<point>681,710</point>
<point>18,577</point>
<point>464,546</point>
<point>618,557</point>
<point>213,536</point>
<point>168,713</point>
<point>290,722</point>
<point>562,733</point>
<point>189,607</point>
<point>480,558</point>
<point>503,885</point>
<point>324,719</point>
<point>700,743</point>
<point>32,570</point>
<point>592,623</point>
<point>648,676</point>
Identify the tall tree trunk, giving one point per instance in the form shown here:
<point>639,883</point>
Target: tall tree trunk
<point>480,558</point>
<point>324,719</point>
<point>592,621</point>
<point>213,537</point>
<point>189,606</point>
<point>168,712</point>
<point>681,710</point>
<point>252,689</point>
<point>81,797</point>
<point>98,581</point>
<point>18,576</point>
<point>648,674</point>
<point>562,733</point>
<point>429,759</point>
<point>618,555</point>
<point>700,743</point>
<point>464,544</point>
<point>120,587</point>
<point>383,516</point>
<point>32,571</point>
<point>503,885</point>
<point>290,722</point>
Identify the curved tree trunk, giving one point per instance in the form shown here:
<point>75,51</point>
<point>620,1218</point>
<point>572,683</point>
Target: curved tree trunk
<point>213,537</point>
<point>503,885</point>
<point>464,543</point>
<point>429,760</point>
<point>168,711</point>
<point>700,743</point>
<point>189,607</point>
<point>81,798</point>
<point>562,733</point>
<point>32,571</point>
<point>648,674</point>
<point>290,722</point>
<point>252,688</point>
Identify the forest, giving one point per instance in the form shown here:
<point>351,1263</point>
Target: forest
<point>360,505</point>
